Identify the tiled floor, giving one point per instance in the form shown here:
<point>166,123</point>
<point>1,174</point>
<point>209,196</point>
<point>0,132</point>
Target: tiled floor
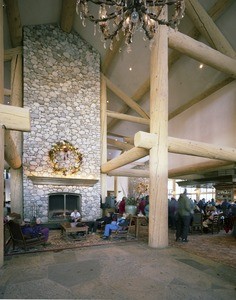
<point>130,270</point>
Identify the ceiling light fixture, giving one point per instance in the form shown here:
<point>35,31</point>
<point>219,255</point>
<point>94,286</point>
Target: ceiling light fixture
<point>129,16</point>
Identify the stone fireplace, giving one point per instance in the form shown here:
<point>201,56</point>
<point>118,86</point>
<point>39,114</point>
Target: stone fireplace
<point>62,91</point>
<point>60,205</point>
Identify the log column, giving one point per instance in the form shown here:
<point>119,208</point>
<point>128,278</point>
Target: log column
<point>103,136</point>
<point>1,137</point>
<point>16,182</point>
<point>158,211</point>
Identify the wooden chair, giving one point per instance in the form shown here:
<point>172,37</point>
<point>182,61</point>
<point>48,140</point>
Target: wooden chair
<point>121,232</point>
<point>215,225</point>
<point>197,223</point>
<point>18,239</point>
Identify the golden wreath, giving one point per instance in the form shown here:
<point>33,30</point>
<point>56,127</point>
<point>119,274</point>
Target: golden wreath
<point>69,154</point>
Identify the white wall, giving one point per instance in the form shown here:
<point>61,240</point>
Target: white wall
<point>211,121</point>
<point>122,186</point>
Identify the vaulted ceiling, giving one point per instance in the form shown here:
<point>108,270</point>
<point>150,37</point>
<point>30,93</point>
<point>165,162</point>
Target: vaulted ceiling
<point>211,22</point>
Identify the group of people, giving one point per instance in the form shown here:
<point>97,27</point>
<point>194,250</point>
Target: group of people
<point>142,206</point>
<point>110,222</point>
<point>180,216</point>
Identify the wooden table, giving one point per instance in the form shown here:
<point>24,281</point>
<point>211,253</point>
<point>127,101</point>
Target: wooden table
<point>137,222</point>
<point>67,229</point>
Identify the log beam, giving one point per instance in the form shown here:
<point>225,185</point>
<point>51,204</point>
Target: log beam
<point>15,118</point>
<point>10,53</point>
<point>206,26</point>
<point>128,118</point>
<point>187,147</point>
<point>119,145</point>
<point>202,52</point>
<point>14,22</point>
<point>67,15</point>
<point>11,154</point>
<point>175,145</point>
<point>124,159</point>
<point>130,102</point>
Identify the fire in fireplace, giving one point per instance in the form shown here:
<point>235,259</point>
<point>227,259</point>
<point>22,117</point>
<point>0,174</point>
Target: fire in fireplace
<point>60,205</point>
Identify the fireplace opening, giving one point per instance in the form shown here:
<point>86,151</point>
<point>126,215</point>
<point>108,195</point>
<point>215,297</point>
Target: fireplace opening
<point>60,205</point>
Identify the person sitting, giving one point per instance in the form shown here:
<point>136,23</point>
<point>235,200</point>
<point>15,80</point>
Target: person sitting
<point>104,220</point>
<point>116,224</point>
<point>75,216</point>
<point>210,213</point>
<point>34,230</point>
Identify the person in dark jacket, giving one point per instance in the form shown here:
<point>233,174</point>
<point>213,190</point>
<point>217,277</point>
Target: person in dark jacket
<point>184,214</point>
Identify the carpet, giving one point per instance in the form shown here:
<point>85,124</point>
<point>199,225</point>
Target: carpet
<point>58,243</point>
<point>220,247</point>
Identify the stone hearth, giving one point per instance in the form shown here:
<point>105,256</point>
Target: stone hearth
<point>62,91</point>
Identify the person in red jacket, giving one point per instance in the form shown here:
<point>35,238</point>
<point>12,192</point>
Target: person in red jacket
<point>122,206</point>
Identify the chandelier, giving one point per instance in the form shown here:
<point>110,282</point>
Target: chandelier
<point>129,16</point>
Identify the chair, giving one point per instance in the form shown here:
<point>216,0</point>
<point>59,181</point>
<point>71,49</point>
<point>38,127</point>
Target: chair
<point>197,223</point>
<point>121,232</point>
<point>215,225</point>
<point>18,239</point>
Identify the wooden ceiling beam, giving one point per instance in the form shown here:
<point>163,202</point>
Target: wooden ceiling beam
<point>120,145</point>
<point>202,53</point>
<point>11,154</point>
<point>14,22</point>
<point>67,15</point>
<point>206,26</point>
<point>129,101</point>
<point>214,12</point>
<point>175,145</point>
<point>10,53</point>
<point>128,118</point>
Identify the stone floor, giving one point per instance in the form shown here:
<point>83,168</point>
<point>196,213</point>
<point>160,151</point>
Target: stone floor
<point>130,270</point>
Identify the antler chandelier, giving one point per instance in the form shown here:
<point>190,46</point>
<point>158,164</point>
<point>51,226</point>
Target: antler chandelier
<point>129,16</point>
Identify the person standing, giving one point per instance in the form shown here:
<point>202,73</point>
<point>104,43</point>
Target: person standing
<point>173,205</point>
<point>122,206</point>
<point>184,212</point>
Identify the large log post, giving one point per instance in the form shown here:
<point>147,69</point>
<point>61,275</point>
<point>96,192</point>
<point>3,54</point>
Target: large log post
<point>16,182</point>
<point>158,166</point>
<point>1,190</point>
<point>1,137</point>
<point>12,156</point>
<point>103,136</point>
<point>14,22</point>
<point>67,15</point>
